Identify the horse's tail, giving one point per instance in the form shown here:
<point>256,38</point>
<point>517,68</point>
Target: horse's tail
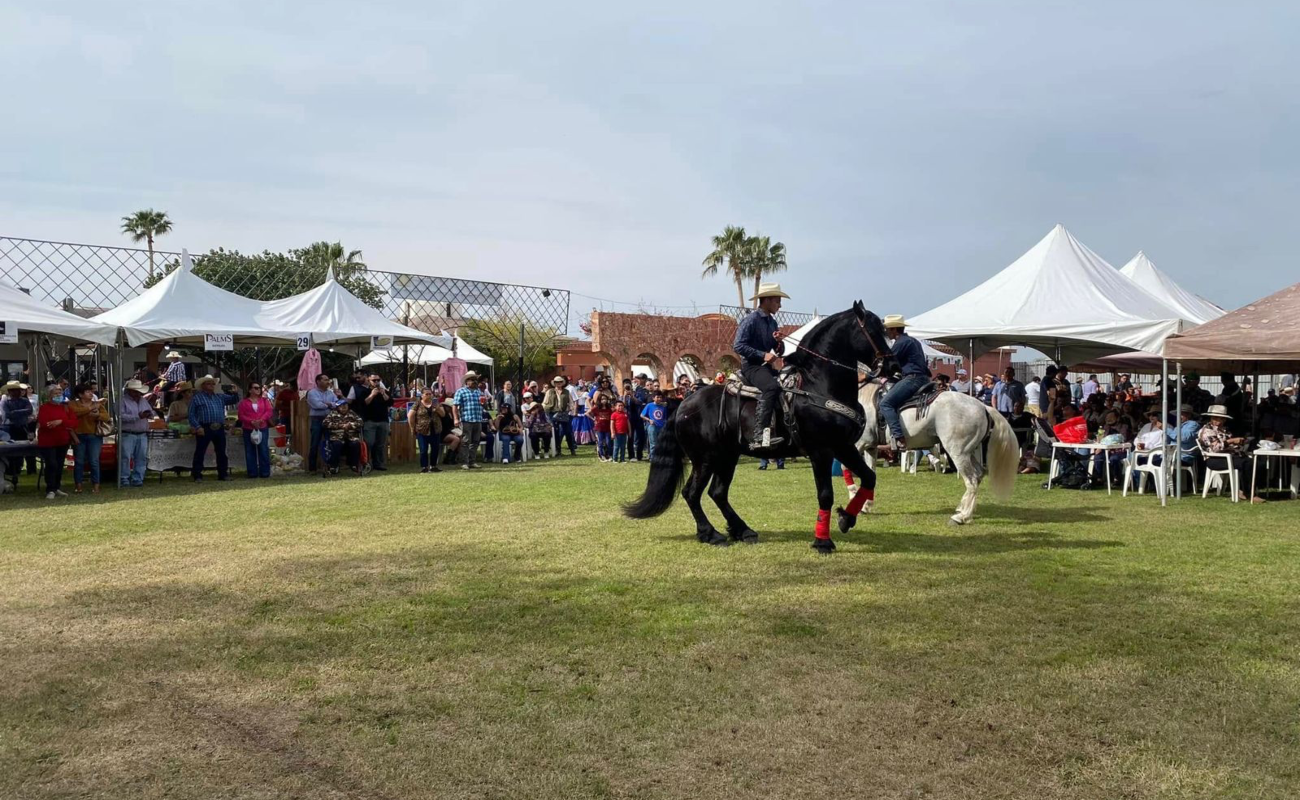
<point>666,473</point>
<point>1004,455</point>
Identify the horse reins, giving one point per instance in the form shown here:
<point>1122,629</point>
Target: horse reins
<point>828,360</point>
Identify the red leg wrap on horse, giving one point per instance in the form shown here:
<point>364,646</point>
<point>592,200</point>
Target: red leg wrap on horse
<point>823,530</point>
<point>859,500</point>
<point>848,478</point>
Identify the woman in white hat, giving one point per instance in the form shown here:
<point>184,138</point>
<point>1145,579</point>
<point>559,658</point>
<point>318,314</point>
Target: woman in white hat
<point>1216,438</point>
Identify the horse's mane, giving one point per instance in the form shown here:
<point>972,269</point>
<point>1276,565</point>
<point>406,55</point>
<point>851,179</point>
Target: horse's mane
<point>813,339</point>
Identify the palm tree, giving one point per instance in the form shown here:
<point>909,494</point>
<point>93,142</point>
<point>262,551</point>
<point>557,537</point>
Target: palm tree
<point>729,251</point>
<point>332,254</point>
<point>145,226</point>
<point>763,258</point>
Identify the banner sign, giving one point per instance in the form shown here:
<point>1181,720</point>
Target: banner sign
<point>304,341</point>
<point>8,332</point>
<point>381,342</point>
<point>219,341</point>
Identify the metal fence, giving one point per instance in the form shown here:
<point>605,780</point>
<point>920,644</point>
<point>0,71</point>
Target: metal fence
<point>783,318</point>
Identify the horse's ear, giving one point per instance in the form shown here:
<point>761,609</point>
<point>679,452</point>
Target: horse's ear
<point>859,309</point>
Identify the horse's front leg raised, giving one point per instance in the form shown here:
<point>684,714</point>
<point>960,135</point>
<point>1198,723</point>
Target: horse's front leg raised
<point>865,495</point>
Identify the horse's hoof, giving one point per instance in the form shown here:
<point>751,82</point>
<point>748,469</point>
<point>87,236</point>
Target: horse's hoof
<point>956,520</point>
<point>747,536</point>
<point>846,520</point>
<point>713,538</point>
<point>823,546</point>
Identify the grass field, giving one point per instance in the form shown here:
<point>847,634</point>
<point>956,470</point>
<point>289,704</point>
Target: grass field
<point>506,633</point>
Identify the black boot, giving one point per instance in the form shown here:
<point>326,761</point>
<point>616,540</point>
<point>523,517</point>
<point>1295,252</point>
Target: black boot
<point>762,425</point>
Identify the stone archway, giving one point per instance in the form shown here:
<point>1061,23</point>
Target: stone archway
<point>691,365</point>
<point>648,358</point>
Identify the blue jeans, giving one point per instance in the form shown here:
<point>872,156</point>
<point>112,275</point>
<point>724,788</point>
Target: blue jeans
<point>895,397</point>
<point>315,443</point>
<point>86,453</point>
<point>132,458</point>
<point>427,443</point>
<point>257,457</point>
<point>217,439</point>
<point>508,439</point>
<point>620,447</point>
<point>564,433</point>
<point>651,434</point>
<point>603,444</point>
<point>780,463</point>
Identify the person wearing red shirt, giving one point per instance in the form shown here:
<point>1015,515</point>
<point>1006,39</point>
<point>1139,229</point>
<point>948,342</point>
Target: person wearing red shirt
<point>621,426</point>
<point>55,433</point>
<point>600,414</point>
<point>1074,430</point>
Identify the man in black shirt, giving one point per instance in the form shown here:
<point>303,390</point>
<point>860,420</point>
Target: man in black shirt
<point>371,402</point>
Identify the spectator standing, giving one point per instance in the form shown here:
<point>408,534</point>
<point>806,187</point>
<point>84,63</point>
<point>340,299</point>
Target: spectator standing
<point>254,414</point>
<point>621,427</point>
<point>960,385</point>
<point>55,431</point>
<point>178,412</point>
<point>175,372</point>
<point>507,397</point>
<point>321,400</point>
<point>133,448</point>
<point>425,420</point>
<point>510,431</point>
<point>17,413</point>
<point>373,410</point>
<point>467,408</point>
<point>1090,387</point>
<point>559,405</point>
<point>1008,392</point>
<point>91,413</point>
<point>286,397</point>
<point>653,417</point>
<point>600,415</point>
<point>208,421</point>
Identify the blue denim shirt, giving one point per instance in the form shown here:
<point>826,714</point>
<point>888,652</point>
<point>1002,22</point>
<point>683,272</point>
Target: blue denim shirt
<point>755,336</point>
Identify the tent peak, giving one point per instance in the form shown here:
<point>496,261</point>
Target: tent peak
<point>329,275</point>
<point>187,264</point>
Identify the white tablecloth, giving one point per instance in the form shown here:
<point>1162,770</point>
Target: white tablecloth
<point>165,454</point>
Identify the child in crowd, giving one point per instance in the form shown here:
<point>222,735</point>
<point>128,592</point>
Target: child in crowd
<point>600,414</point>
<point>654,415</point>
<point>621,426</point>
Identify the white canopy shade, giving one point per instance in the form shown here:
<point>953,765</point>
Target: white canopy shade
<point>794,338</point>
<point>427,354</point>
<point>333,315</point>
<point>182,307</point>
<point>32,316</point>
<point>1059,297</point>
<point>1193,309</point>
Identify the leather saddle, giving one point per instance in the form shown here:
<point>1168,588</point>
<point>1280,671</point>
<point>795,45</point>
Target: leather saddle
<point>921,401</point>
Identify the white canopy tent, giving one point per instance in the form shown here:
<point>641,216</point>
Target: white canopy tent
<point>795,337</point>
<point>1060,298</point>
<point>1191,307</point>
<point>428,355</point>
<point>29,315</point>
<point>182,307</point>
<point>335,316</point>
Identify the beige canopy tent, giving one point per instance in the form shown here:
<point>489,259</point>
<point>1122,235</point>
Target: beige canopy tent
<point>1263,336</point>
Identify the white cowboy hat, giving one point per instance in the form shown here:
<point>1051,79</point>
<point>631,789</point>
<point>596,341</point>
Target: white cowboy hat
<point>1218,411</point>
<point>528,394</point>
<point>769,290</point>
<point>136,386</point>
<point>470,376</point>
<point>198,384</point>
<point>173,354</point>
<point>558,379</point>
<point>895,321</point>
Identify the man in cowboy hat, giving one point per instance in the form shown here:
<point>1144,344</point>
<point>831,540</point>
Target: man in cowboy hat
<point>757,337</point>
<point>175,372</point>
<point>16,414</point>
<point>558,403</point>
<point>133,452</point>
<point>208,422</point>
<point>916,373</point>
<point>467,414</point>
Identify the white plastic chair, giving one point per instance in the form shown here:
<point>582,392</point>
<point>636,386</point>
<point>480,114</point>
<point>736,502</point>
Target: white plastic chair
<point>1214,475</point>
<point>909,461</point>
<point>1141,463</point>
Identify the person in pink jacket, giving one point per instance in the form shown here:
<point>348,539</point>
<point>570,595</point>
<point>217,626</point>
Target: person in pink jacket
<point>255,418</point>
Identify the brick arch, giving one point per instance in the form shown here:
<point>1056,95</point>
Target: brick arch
<point>647,354</point>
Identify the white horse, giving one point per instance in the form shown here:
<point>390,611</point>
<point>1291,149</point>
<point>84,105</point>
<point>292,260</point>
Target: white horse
<point>961,425</point>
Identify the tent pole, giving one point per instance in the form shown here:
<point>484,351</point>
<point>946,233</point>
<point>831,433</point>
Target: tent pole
<point>970,379</point>
<point>117,410</point>
<point>1164,419</point>
<point>1178,437</point>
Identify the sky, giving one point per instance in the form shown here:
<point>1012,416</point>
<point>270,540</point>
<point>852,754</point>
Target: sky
<point>903,152</point>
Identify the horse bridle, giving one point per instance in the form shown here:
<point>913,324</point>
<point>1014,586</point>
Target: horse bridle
<point>879,356</point>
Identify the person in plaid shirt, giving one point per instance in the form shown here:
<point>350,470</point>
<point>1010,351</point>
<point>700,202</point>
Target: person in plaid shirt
<point>176,369</point>
<point>208,421</point>
<point>467,407</point>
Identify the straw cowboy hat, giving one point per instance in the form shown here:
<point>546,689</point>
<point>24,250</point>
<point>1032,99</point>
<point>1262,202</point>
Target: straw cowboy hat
<point>769,290</point>
<point>182,386</point>
<point>558,379</point>
<point>11,385</point>
<point>134,385</point>
<point>895,321</point>
<point>198,384</point>
<point>173,354</point>
<point>1218,411</point>
<point>471,376</point>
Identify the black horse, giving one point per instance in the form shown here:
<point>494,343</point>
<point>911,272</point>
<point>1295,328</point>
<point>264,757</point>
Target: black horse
<point>709,426</point>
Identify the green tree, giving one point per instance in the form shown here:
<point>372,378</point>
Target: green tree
<point>762,257</point>
<point>145,226</point>
<point>729,254</point>
<point>499,338</point>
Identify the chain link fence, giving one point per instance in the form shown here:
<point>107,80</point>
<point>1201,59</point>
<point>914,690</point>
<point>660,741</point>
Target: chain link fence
<point>796,319</point>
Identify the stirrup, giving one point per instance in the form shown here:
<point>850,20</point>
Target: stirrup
<point>765,440</point>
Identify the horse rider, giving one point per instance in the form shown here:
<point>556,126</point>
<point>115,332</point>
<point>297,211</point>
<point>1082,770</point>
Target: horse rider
<point>911,362</point>
<point>757,337</point>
